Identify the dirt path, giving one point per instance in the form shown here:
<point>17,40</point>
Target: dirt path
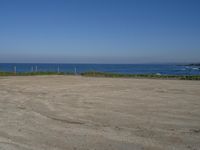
<point>80,113</point>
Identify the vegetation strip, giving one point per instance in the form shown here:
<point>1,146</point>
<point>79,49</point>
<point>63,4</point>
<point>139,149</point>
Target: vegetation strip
<point>152,76</point>
<point>102,74</point>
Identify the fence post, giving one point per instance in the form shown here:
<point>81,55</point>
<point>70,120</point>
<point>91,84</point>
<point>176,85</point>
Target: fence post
<point>15,69</point>
<point>75,71</point>
<point>36,68</point>
<point>58,70</point>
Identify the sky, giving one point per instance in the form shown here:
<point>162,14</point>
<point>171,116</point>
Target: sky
<point>99,31</point>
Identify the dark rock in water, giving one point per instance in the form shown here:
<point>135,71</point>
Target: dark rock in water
<point>197,64</point>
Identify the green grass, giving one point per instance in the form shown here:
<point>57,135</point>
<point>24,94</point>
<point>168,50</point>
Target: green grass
<point>102,74</point>
<point>152,76</point>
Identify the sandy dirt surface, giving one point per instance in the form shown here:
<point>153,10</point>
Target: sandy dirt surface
<point>82,113</point>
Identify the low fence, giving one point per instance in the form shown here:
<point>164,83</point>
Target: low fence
<point>37,68</point>
<point>104,68</point>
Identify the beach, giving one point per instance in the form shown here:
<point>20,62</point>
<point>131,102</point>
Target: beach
<point>88,113</point>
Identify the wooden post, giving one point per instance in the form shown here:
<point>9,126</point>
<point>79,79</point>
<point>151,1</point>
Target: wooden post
<point>15,69</point>
<point>75,71</point>
<point>58,70</point>
<point>36,68</point>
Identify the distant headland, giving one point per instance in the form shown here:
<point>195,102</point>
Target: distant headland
<point>193,64</point>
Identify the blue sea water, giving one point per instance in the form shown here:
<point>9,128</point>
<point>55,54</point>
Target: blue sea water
<point>163,69</point>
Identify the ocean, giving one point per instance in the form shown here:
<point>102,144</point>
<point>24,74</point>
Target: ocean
<point>163,69</point>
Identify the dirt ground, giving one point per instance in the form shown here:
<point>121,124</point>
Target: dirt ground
<point>82,113</point>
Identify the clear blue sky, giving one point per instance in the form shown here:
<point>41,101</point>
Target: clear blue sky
<point>100,31</point>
